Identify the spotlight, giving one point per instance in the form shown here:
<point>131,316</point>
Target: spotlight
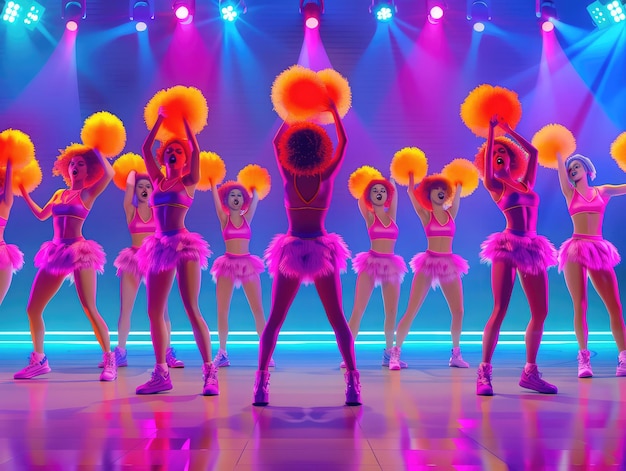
<point>383,10</point>
<point>230,10</point>
<point>607,13</point>
<point>184,10</point>
<point>312,11</point>
<point>12,12</point>
<point>72,12</point>
<point>141,11</point>
<point>478,12</point>
<point>436,10</point>
<point>34,12</point>
<point>23,12</point>
<point>546,13</point>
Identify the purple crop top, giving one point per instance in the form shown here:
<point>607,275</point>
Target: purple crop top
<point>579,204</point>
<point>139,226</point>
<point>233,232</point>
<point>73,205</point>
<point>294,200</point>
<point>435,229</point>
<point>379,231</point>
<point>176,195</point>
<point>512,198</point>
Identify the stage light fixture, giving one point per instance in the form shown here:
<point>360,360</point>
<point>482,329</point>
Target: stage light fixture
<point>383,10</point>
<point>436,10</point>
<point>141,11</point>
<point>231,10</point>
<point>607,13</point>
<point>72,12</point>
<point>34,12</point>
<point>24,12</point>
<point>546,13</point>
<point>478,12</point>
<point>312,12</point>
<point>12,12</point>
<point>184,10</point>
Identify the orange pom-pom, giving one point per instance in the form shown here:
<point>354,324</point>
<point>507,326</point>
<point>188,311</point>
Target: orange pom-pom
<point>17,146</point>
<point>255,177</point>
<point>29,177</point>
<point>486,101</point>
<point>298,94</point>
<point>360,178</point>
<point>553,139</point>
<point>618,151</point>
<point>408,160</point>
<point>212,170</point>
<point>339,92</point>
<point>178,103</point>
<point>124,165</point>
<point>105,132</point>
<point>464,172</point>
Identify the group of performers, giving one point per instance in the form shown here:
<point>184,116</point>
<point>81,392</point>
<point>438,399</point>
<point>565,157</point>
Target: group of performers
<point>157,202</point>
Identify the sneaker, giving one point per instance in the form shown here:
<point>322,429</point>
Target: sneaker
<point>109,373</point>
<point>584,364</point>
<point>387,356</point>
<point>160,381</point>
<point>394,359</point>
<point>261,390</point>
<point>621,364</point>
<point>171,360</point>
<point>353,388</point>
<point>483,382</point>
<point>35,368</point>
<point>456,360</point>
<point>532,380</point>
<point>209,376</point>
<point>221,359</point>
<point>120,358</point>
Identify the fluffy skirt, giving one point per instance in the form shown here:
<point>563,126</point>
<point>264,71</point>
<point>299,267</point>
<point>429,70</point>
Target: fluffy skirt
<point>591,253</point>
<point>128,262</point>
<point>306,259</point>
<point>164,252</point>
<point>10,257</point>
<point>442,267</point>
<point>61,258</point>
<point>239,268</point>
<point>528,254</point>
<point>381,267</point>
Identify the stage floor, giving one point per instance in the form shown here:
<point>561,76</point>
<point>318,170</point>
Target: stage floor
<point>424,416</point>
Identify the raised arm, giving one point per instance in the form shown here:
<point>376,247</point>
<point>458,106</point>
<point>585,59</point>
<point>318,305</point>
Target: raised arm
<point>342,140</point>
<point>40,213</point>
<point>193,177</point>
<point>129,192</point>
<point>277,137</point>
<point>489,179</point>
<point>7,195</point>
<point>613,190</point>
<point>393,207</point>
<point>221,214</point>
<point>366,213</point>
<point>533,155</point>
<point>422,212</point>
<point>456,201</point>
<point>254,203</point>
<point>93,190</point>
<point>566,187</point>
<point>151,164</point>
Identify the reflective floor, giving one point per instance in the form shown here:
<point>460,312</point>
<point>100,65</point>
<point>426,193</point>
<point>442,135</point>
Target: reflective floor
<point>425,416</point>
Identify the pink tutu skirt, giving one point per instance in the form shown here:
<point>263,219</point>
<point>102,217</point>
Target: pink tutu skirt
<point>381,267</point>
<point>239,268</point>
<point>306,259</point>
<point>441,267</point>
<point>10,257</point>
<point>64,258</point>
<point>593,253</point>
<point>529,254</point>
<point>164,252</point>
<point>127,262</point>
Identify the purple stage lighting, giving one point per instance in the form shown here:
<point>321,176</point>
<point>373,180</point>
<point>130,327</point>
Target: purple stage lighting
<point>184,10</point>
<point>72,12</point>
<point>312,11</point>
<point>436,11</point>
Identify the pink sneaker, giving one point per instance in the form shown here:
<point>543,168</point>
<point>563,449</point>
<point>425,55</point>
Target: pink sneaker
<point>394,359</point>
<point>121,358</point>
<point>621,364</point>
<point>211,385</point>
<point>483,382</point>
<point>456,360</point>
<point>387,357</point>
<point>35,368</point>
<point>171,360</point>
<point>261,390</point>
<point>109,373</point>
<point>532,380</point>
<point>159,382</point>
<point>353,388</point>
<point>584,364</point>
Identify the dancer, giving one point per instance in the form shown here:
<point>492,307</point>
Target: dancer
<point>379,266</point>
<point>586,253</point>
<point>173,251</point>
<point>69,254</point>
<point>510,177</point>
<point>307,253</point>
<point>237,267</point>
<point>11,258</point>
<point>438,266</point>
<point>141,224</point>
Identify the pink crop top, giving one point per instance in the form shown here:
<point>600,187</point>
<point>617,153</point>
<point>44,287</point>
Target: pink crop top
<point>139,226</point>
<point>73,205</point>
<point>233,232</point>
<point>436,229</point>
<point>512,198</point>
<point>579,204</point>
<point>3,222</point>
<point>176,195</point>
<point>379,231</point>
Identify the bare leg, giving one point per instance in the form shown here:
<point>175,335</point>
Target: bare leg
<point>158,286</point>
<point>391,295</point>
<point>129,286</point>
<point>86,282</point>
<point>605,283</point>
<point>224,293</point>
<point>453,292</point>
<point>419,290</point>
<point>502,281</point>
<point>329,290</point>
<point>536,290</point>
<point>45,286</point>
<point>363,292</point>
<point>189,278</point>
<point>576,281</point>
<point>252,289</point>
<point>5,281</point>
